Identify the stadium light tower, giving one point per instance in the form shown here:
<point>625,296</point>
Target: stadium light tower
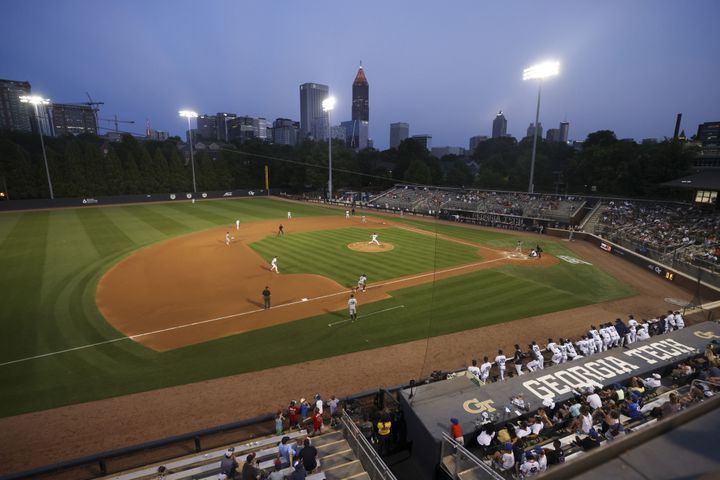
<point>327,105</point>
<point>190,114</point>
<point>35,101</point>
<point>540,72</point>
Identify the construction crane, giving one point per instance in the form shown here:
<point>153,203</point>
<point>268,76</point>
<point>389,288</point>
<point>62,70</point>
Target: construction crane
<point>116,122</point>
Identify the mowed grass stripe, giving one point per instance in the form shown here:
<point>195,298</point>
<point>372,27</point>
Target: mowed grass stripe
<point>7,223</point>
<point>196,211</point>
<point>157,220</point>
<point>106,237</point>
<point>23,260</point>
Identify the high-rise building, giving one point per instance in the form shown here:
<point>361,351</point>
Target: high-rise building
<point>14,115</point>
<point>424,139</point>
<point>207,127</point>
<point>356,133</point>
<point>360,97</point>
<point>499,128</point>
<point>531,130</point>
<point>285,131</point>
<point>475,141</point>
<point>708,133</point>
<point>553,135</point>
<point>564,131</point>
<point>73,119</point>
<point>398,132</point>
<point>313,120</point>
<point>246,128</point>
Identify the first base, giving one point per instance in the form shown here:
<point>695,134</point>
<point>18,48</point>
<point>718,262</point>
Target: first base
<point>304,299</point>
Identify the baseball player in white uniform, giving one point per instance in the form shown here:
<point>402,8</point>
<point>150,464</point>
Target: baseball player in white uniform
<point>362,282</point>
<point>352,307</point>
<point>227,238</point>
<point>606,338</point>
<point>679,321</point>
<point>595,337</point>
<point>363,219</point>
<point>556,354</point>
<point>500,360</point>
<point>485,370</point>
<point>373,239</point>
<point>538,355</point>
<point>643,332</point>
<point>273,265</point>
<point>632,330</point>
<point>289,215</point>
<point>474,369</point>
<point>570,350</point>
<point>347,214</point>
<point>533,364</point>
<point>237,224</point>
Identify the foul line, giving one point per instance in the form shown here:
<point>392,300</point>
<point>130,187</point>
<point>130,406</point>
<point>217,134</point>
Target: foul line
<point>242,314</point>
<point>366,315</point>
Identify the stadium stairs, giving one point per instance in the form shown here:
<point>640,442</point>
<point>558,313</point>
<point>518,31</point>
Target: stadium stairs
<point>337,460</point>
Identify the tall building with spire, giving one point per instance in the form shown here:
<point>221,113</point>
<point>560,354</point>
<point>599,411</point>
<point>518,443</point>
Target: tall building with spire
<point>357,128</point>
<point>499,125</point>
<point>361,96</point>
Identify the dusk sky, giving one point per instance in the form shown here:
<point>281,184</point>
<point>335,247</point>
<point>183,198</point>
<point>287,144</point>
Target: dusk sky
<point>446,68</point>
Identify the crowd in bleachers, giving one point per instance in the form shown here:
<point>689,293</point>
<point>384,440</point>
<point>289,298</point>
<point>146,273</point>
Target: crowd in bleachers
<point>664,226</point>
<point>429,200</point>
<point>552,433</point>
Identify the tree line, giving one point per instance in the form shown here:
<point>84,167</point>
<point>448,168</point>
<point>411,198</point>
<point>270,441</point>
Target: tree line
<point>87,165</point>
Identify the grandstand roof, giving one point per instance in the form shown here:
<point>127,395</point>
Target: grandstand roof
<point>705,180</point>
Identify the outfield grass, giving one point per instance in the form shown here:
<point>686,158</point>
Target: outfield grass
<point>52,261</point>
<point>326,253</point>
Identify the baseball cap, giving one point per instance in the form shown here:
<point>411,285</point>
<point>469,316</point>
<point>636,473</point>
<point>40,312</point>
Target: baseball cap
<point>538,450</point>
<point>547,401</point>
<point>656,376</point>
<point>617,386</point>
<point>229,452</point>
<point>508,446</point>
<point>454,421</point>
<point>593,433</point>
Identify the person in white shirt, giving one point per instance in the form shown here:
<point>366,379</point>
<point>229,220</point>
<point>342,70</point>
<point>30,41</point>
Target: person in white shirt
<point>500,360</point>
<point>642,333</point>
<point>670,322</point>
<point>632,330</point>
<point>237,224</point>
<point>530,468</point>
<point>474,369</point>
<point>485,369</point>
<point>273,265</point>
<point>553,348</point>
<point>593,399</point>
<point>289,215</point>
<point>595,335</point>
<point>652,381</point>
<point>679,321</point>
<point>487,433</point>
<point>374,239</point>
<point>538,355</point>
<point>352,308</point>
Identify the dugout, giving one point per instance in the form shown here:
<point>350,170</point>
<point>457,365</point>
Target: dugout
<point>429,407</point>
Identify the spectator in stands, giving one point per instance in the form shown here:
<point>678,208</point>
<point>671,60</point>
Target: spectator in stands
<point>229,464</point>
<point>277,473</point>
<point>593,399</point>
<point>615,429</point>
<point>304,409</point>
<point>531,467</point>
<point>671,406</point>
<point>250,470</point>
<point>279,420</point>
<point>710,355</point>
<point>319,403</point>
<point>592,440</point>
<point>519,402</point>
<point>308,456</point>
<point>505,460</point>
<point>293,415</point>
<point>456,431</point>
<point>287,451</point>
<point>555,455</point>
<point>486,435</point>
<point>317,421</point>
<point>334,413</point>
<point>652,382</point>
<point>636,387</point>
<point>384,427</point>
<point>299,473</point>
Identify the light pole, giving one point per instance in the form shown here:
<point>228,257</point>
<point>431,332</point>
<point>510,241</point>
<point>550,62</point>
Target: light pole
<point>35,101</point>
<point>327,105</point>
<point>539,71</point>
<point>190,114</point>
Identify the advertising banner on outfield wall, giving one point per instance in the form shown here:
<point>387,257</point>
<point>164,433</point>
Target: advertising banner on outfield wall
<point>125,199</point>
<point>466,399</point>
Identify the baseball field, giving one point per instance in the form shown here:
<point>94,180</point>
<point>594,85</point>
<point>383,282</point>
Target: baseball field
<point>101,302</point>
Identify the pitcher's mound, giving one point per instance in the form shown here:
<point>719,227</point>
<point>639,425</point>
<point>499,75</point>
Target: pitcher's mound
<point>370,247</point>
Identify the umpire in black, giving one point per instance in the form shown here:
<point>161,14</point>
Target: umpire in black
<point>266,297</point>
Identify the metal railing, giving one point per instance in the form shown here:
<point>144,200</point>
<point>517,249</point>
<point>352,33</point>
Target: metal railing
<point>456,459</point>
<point>369,458</point>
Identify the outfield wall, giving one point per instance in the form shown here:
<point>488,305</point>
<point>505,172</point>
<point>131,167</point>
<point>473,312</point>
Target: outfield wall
<point>42,204</point>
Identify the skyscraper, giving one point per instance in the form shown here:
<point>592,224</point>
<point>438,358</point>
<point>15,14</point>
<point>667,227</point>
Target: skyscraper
<point>475,141</point>
<point>553,135</point>
<point>499,125</point>
<point>531,130</point>
<point>313,120</point>
<point>73,119</point>
<point>564,130</point>
<point>398,132</point>
<point>361,96</point>
<point>424,139</point>
<point>14,115</point>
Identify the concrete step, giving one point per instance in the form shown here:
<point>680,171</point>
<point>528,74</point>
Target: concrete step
<point>334,447</point>
<point>330,437</point>
<point>345,470</point>
<point>335,459</point>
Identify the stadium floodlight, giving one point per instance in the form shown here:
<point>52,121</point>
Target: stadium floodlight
<point>190,114</point>
<point>540,72</point>
<point>328,105</point>
<point>35,101</point>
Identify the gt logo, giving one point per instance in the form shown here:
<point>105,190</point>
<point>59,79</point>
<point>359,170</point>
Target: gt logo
<point>476,406</point>
<point>706,335</point>
<point>573,260</point>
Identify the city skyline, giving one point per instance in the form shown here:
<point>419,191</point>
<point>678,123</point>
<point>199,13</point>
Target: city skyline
<point>625,67</point>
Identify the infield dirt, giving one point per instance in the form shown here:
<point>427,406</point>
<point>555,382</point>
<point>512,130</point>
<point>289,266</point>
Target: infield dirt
<point>41,438</point>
